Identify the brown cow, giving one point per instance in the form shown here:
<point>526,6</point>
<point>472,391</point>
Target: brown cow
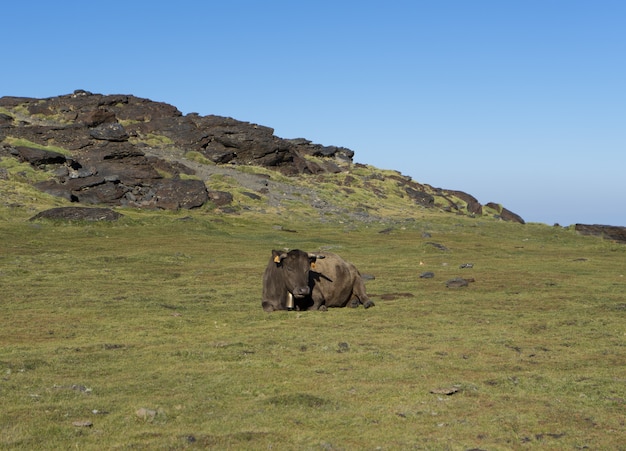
<point>311,281</point>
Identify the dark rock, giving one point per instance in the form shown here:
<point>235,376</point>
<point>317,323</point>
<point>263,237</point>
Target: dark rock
<point>172,194</point>
<point>508,215</point>
<point>420,197</point>
<point>174,168</point>
<point>441,247</point>
<point>473,206</point>
<point>457,283</point>
<point>38,157</point>
<point>99,193</point>
<point>616,233</point>
<point>427,275</point>
<point>504,214</point>
<point>252,196</point>
<point>56,189</point>
<point>109,132</point>
<point>5,119</point>
<point>96,117</point>
<point>220,198</point>
<point>78,214</point>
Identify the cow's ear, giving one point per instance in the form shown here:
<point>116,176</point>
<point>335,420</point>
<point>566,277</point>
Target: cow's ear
<point>277,256</point>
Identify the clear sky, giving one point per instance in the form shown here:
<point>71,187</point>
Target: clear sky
<point>522,103</point>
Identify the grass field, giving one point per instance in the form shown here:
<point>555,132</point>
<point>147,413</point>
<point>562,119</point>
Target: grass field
<point>148,333</point>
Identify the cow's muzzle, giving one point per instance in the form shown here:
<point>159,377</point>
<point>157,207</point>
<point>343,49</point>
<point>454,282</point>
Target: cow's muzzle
<point>301,292</point>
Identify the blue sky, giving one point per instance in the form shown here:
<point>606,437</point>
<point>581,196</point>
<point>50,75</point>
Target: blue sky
<point>517,102</point>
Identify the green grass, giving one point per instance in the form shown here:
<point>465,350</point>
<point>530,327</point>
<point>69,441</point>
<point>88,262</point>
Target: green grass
<point>163,314</point>
<point>16,142</point>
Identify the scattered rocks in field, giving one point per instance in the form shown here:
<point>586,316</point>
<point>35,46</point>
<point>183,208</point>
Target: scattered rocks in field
<point>82,424</point>
<point>427,275</point>
<point>343,347</point>
<point>109,346</point>
<point>441,247</point>
<point>146,414</point>
<point>466,265</point>
<point>76,387</point>
<point>445,391</point>
<point>458,282</point>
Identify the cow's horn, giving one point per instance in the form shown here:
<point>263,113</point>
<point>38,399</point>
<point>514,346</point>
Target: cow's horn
<point>314,255</point>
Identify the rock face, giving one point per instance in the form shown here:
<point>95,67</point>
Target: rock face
<point>121,150</point>
<point>108,137</point>
<point>616,233</point>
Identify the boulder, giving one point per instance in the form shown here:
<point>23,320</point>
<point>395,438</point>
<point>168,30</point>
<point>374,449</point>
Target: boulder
<point>93,118</point>
<point>616,233</point>
<point>473,206</point>
<point>172,194</point>
<point>5,119</point>
<point>109,132</point>
<point>220,198</point>
<point>78,214</point>
<point>38,157</point>
<point>504,214</point>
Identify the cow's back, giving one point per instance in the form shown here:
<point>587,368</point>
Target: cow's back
<point>335,281</point>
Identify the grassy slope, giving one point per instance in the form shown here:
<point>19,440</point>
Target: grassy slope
<point>162,312</point>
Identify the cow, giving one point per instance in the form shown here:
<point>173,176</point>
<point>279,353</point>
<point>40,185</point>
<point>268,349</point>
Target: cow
<point>311,281</point>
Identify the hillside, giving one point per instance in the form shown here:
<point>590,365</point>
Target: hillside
<point>120,150</point>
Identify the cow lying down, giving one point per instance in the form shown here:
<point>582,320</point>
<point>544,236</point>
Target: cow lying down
<point>311,281</point>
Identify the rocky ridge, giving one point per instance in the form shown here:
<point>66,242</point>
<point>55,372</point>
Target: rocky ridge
<point>121,150</point>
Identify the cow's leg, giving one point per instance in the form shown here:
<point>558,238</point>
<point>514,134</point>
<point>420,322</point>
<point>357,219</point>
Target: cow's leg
<point>359,291</point>
<point>268,306</point>
<point>354,302</point>
<point>319,303</point>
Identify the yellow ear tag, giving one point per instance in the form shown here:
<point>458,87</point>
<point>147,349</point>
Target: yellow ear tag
<point>312,265</point>
<point>277,259</point>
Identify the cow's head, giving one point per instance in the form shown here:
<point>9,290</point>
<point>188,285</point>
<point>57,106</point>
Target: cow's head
<point>295,266</point>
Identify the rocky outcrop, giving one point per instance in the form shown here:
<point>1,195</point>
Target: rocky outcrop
<point>113,174</point>
<point>504,214</point>
<point>108,138</point>
<point>80,120</point>
<point>121,150</point>
<point>615,233</point>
